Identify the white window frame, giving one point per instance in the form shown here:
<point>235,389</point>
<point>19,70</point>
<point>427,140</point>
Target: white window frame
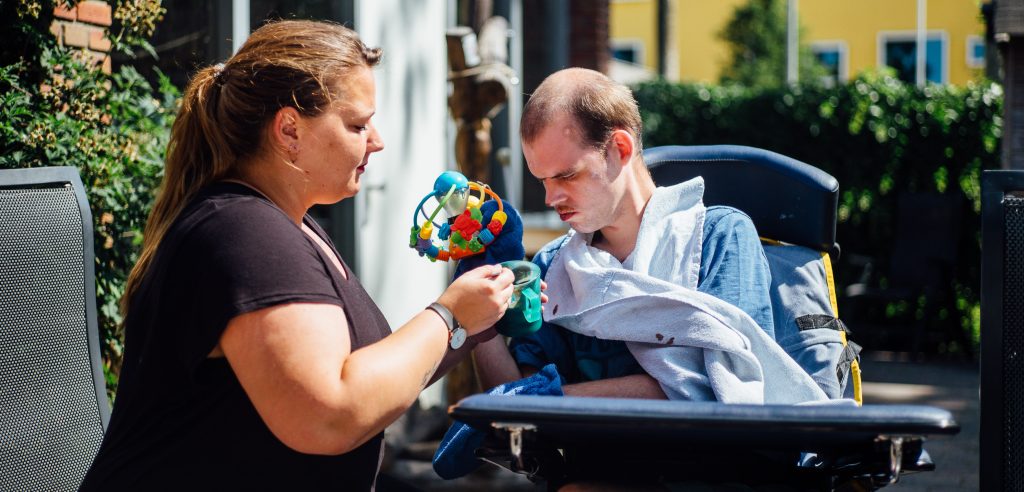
<point>972,61</point>
<point>940,34</point>
<point>637,45</point>
<point>839,46</point>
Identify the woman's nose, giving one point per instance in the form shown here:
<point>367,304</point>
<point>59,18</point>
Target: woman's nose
<point>375,143</point>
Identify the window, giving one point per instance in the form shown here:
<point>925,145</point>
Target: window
<point>628,50</point>
<point>833,56</point>
<point>899,51</point>
<point>975,51</point>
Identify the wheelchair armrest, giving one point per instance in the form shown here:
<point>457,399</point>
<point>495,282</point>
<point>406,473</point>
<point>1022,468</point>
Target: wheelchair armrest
<point>702,436</point>
<point>794,427</point>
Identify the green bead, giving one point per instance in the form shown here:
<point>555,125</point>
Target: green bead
<point>414,236</point>
<point>476,214</point>
<point>458,240</point>
<point>475,245</point>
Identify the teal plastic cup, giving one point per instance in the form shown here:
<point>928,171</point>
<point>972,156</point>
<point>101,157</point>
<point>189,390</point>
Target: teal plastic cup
<point>523,315</point>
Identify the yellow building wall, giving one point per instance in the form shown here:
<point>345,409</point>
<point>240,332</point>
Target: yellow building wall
<point>697,25</point>
<point>702,55</point>
<point>859,24</point>
<point>636,20</point>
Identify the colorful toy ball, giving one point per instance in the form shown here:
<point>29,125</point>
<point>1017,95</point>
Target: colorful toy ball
<point>467,235</point>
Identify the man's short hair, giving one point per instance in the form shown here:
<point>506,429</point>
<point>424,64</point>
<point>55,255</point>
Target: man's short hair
<point>598,105</point>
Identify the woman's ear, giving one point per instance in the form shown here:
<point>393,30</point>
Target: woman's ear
<point>284,131</point>
<point>621,145</point>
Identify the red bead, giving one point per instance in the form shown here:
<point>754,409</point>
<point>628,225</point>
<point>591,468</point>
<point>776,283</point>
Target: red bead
<point>465,224</point>
<point>494,227</point>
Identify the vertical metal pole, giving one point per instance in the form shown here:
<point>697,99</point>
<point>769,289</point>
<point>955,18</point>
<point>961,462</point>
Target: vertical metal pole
<point>240,23</point>
<point>515,106</point>
<point>662,38</point>
<point>792,42</point>
<point>922,41</point>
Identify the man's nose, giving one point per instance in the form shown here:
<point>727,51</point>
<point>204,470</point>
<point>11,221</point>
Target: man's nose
<point>553,195</point>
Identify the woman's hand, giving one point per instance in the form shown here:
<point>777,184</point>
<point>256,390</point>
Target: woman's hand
<point>479,297</point>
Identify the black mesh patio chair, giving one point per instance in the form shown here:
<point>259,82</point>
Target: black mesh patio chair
<point>1002,330</point>
<point>53,403</point>
<point>558,440</point>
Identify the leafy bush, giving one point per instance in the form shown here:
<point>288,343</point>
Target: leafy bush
<point>876,134</point>
<point>58,109</point>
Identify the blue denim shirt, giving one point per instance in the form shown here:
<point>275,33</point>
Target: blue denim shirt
<point>733,267</point>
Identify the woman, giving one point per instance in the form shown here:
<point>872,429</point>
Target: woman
<point>254,359</point>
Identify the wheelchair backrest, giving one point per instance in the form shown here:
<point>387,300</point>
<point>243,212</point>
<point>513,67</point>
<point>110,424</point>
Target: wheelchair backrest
<point>793,206</point>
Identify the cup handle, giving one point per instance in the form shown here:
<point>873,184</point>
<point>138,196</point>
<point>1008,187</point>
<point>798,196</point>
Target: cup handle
<point>531,312</point>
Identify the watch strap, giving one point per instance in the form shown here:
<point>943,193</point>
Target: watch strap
<point>445,314</point>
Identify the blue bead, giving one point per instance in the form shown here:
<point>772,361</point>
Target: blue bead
<point>444,231</point>
<point>485,236</point>
<point>445,181</point>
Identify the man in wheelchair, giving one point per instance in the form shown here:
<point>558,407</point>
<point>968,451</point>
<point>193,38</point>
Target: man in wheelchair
<point>653,295</point>
<point>581,137</point>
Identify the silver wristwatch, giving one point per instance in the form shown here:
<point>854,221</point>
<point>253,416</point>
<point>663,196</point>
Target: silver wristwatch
<point>456,333</point>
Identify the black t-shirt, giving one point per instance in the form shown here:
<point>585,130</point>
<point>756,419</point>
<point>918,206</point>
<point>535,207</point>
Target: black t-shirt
<point>181,420</point>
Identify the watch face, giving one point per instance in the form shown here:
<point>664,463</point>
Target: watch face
<point>458,337</point>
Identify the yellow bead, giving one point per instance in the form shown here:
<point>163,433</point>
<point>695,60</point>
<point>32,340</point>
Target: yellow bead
<point>426,231</point>
<point>499,216</point>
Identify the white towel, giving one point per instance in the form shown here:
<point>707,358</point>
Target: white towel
<point>698,347</point>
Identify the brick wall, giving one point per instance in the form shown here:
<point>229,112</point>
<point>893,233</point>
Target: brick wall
<point>85,26</point>
<point>589,34</point>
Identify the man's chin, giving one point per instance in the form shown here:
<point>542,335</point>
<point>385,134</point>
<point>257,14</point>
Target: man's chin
<point>582,228</point>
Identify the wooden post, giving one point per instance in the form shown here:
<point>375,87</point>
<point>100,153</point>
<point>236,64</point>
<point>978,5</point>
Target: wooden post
<point>478,92</point>
<point>480,86</point>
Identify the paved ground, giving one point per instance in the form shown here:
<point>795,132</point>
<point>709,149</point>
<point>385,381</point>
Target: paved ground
<point>952,386</point>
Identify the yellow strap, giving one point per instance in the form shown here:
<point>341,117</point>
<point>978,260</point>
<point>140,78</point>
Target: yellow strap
<point>831,286</point>
<point>858,395</point>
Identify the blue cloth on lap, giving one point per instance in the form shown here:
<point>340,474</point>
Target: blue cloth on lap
<point>456,457</point>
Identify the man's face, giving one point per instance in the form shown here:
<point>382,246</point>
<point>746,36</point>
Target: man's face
<point>579,182</point>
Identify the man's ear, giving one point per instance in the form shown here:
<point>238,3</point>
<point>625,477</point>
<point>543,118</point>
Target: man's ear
<point>284,129</point>
<point>622,145</point>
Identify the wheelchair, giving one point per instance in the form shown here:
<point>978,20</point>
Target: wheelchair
<point>561,440</point>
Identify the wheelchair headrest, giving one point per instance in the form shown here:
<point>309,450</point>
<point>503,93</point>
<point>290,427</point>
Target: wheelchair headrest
<point>788,200</point>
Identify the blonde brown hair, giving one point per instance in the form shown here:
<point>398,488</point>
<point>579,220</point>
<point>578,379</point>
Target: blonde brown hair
<point>596,103</point>
<point>225,108</point>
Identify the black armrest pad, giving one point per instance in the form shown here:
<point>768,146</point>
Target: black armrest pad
<point>649,422</point>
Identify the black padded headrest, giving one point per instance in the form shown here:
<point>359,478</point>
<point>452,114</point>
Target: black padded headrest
<point>788,200</point>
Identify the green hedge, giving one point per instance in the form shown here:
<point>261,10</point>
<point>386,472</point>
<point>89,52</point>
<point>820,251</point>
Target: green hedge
<point>57,109</point>
<point>876,134</point>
